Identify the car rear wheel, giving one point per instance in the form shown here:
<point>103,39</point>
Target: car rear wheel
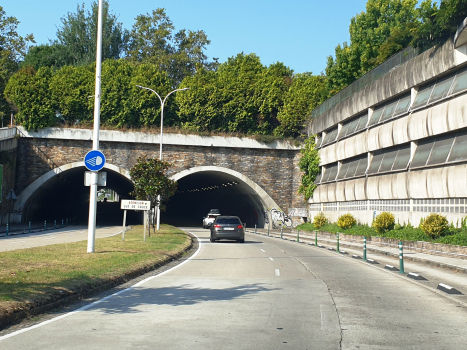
<point>241,241</point>
<point>212,240</point>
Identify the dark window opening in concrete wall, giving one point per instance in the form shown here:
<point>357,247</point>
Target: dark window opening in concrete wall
<point>330,136</point>
<point>354,125</point>
<point>319,139</point>
<point>353,167</point>
<point>390,159</point>
<point>330,173</point>
<point>441,89</point>
<point>318,179</point>
<point>391,109</point>
<point>441,149</point>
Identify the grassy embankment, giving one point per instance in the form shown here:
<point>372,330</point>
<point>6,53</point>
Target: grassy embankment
<point>36,276</point>
<point>455,236</point>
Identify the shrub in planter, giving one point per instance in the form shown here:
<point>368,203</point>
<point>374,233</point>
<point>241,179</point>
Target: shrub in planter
<point>384,222</point>
<point>319,220</point>
<point>435,225</point>
<point>346,221</point>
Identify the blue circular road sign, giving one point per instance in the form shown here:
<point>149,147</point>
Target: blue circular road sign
<point>94,160</point>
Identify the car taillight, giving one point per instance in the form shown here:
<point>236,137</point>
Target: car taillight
<point>217,226</point>
<point>239,226</point>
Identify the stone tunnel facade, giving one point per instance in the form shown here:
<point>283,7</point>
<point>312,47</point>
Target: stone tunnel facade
<point>273,167</point>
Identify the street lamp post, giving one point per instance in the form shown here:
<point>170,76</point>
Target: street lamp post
<point>158,213</point>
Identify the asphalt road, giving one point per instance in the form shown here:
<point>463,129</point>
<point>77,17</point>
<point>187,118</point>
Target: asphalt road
<point>62,235</point>
<point>264,294</point>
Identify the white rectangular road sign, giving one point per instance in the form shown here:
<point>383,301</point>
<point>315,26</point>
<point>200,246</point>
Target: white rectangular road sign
<point>132,204</point>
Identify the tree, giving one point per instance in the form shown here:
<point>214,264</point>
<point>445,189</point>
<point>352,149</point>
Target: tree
<point>13,47</point>
<point>150,181</point>
<point>386,27</point>
<point>152,41</point>
<point>29,91</point>
<point>309,164</point>
<point>306,93</point>
<point>438,23</point>
<point>77,37</point>
<point>241,96</point>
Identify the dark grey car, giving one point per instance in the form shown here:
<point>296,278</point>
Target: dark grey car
<point>228,227</point>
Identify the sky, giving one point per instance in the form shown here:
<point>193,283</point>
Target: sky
<point>299,33</point>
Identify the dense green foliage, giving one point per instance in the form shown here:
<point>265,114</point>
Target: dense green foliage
<point>150,181</point>
<point>319,220</point>
<point>309,164</point>
<point>386,27</point>
<point>435,225</point>
<point>48,98</point>
<point>346,221</point>
<point>454,236</point>
<point>384,222</point>
<point>13,47</point>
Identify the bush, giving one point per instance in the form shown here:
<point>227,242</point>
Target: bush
<point>346,221</point>
<point>319,220</point>
<point>435,225</point>
<point>384,222</point>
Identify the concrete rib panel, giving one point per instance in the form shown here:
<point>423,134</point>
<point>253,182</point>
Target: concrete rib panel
<point>437,119</point>
<point>456,113</point>
<point>349,190</point>
<point>457,181</point>
<point>373,139</point>
<point>372,188</point>
<point>436,183</point>
<point>385,186</point>
<point>417,184</point>
<point>360,189</point>
<point>400,133</point>
<point>385,135</point>
<point>399,186</point>
<point>331,192</point>
<point>417,125</point>
<point>340,191</point>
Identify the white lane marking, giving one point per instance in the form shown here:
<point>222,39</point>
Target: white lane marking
<point>17,242</point>
<point>278,273</point>
<point>263,251</point>
<point>271,259</point>
<point>49,238</point>
<point>103,299</point>
<point>323,317</point>
<point>71,234</point>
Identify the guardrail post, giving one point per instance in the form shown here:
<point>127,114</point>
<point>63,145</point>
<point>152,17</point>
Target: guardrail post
<point>7,228</point>
<point>45,225</point>
<point>282,229</point>
<point>364,248</point>
<point>338,242</point>
<point>316,238</point>
<point>29,227</point>
<point>62,222</point>
<point>255,229</point>
<point>401,259</point>
<point>268,230</point>
<point>55,224</point>
<point>298,235</point>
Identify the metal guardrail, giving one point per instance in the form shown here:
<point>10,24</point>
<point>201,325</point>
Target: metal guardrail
<point>7,133</point>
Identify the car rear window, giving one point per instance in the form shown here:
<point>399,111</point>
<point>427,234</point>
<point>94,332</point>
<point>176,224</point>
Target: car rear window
<point>228,221</point>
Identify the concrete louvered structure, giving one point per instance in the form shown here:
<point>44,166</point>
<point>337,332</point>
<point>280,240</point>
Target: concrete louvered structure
<point>399,143</point>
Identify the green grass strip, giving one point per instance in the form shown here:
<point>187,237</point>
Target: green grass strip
<point>35,276</point>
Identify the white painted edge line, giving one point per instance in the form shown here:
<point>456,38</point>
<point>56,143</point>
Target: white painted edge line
<point>277,272</point>
<point>103,299</point>
<point>17,242</point>
<point>271,259</point>
<point>263,250</point>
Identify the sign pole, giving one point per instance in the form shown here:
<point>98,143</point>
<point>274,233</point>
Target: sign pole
<point>124,225</point>
<point>95,139</point>
<point>145,223</point>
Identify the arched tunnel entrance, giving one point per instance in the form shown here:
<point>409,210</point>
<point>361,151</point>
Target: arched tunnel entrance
<point>61,194</point>
<point>200,191</point>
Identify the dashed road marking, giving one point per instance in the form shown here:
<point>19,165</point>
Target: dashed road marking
<point>278,273</point>
<point>263,250</point>
<point>271,259</point>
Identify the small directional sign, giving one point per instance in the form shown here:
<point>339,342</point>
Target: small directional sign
<point>94,160</point>
<point>132,204</point>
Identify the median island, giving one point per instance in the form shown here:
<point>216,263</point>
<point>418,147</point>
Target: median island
<point>37,280</point>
